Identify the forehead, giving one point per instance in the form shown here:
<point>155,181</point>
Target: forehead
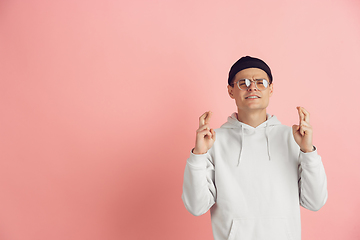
<point>251,73</point>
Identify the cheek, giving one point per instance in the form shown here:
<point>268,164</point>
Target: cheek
<point>268,93</point>
<point>267,98</point>
<point>239,96</point>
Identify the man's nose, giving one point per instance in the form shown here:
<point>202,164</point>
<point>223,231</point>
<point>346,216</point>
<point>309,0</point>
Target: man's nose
<point>252,87</point>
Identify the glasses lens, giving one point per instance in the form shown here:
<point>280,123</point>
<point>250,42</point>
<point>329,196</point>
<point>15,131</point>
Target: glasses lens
<point>247,82</point>
<point>243,84</point>
<point>262,84</point>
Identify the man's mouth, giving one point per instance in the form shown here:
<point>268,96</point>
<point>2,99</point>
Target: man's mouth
<point>252,97</point>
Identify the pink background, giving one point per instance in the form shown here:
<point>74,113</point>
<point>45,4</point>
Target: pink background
<point>99,103</point>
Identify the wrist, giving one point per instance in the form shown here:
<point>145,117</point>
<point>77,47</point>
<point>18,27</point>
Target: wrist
<point>308,149</point>
<point>197,152</point>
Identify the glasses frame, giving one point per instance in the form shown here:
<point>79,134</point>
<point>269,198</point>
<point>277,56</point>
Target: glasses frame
<point>254,81</point>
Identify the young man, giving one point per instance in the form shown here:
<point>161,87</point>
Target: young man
<point>257,172</point>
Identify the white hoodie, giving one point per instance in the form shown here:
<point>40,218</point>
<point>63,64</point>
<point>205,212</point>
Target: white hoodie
<point>253,180</point>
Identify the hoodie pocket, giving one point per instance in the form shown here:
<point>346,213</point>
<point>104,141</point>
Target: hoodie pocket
<point>260,229</point>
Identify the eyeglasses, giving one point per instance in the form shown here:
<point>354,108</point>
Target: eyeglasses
<point>260,84</point>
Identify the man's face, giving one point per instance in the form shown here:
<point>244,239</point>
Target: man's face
<point>243,102</point>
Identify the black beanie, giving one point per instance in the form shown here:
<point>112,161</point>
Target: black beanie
<point>248,62</point>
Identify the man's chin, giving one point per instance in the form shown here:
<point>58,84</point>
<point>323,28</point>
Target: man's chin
<point>252,108</point>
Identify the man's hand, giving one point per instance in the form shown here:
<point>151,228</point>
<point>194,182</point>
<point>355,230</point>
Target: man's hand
<point>303,132</point>
<point>205,136</point>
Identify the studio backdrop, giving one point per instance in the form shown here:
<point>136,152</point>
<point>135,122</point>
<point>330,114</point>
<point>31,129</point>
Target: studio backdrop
<point>100,100</point>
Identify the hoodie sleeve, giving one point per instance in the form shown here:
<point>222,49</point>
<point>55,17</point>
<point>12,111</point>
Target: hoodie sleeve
<point>199,191</point>
<point>312,181</point>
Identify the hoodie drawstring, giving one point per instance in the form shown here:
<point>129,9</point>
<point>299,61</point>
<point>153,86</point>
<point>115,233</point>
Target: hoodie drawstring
<point>267,139</point>
<point>241,144</point>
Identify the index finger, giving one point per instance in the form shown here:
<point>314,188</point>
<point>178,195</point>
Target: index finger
<point>205,118</point>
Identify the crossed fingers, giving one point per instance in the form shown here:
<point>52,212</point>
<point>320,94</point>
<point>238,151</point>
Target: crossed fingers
<point>204,119</point>
<point>204,128</point>
<point>303,114</point>
<point>304,121</point>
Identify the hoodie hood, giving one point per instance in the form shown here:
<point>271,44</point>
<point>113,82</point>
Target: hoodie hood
<point>234,123</point>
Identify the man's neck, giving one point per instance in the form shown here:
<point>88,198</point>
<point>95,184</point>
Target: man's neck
<point>253,118</point>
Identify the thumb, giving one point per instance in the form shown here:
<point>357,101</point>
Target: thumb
<point>295,128</point>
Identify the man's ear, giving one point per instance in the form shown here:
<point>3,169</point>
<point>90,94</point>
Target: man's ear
<point>231,91</point>
<point>271,88</point>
